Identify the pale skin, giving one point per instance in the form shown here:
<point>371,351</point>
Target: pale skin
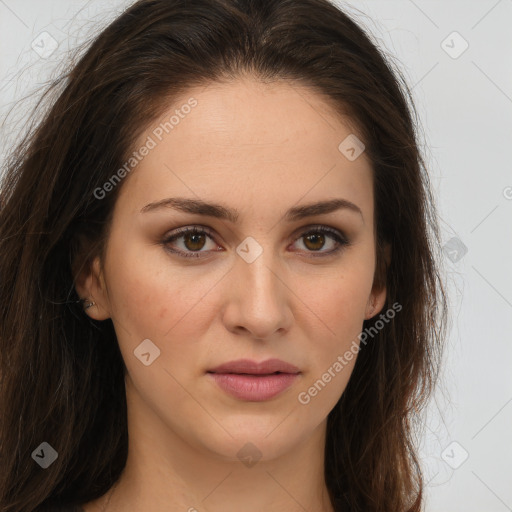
<point>260,149</point>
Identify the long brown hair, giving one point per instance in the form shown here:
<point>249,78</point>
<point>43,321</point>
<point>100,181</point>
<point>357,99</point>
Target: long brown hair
<point>62,374</point>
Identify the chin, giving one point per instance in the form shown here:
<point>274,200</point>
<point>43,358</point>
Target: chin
<point>252,440</point>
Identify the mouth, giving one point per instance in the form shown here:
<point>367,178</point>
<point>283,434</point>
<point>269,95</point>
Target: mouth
<point>251,381</point>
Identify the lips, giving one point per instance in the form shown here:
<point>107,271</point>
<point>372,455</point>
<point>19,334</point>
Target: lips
<point>252,381</point>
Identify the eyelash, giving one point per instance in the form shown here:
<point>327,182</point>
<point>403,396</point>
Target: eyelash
<point>336,235</point>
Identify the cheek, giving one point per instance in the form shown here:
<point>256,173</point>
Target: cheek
<point>339,306</point>
<point>340,299</point>
<point>152,298</point>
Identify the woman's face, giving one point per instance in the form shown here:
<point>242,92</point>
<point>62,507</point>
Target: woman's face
<point>264,285</point>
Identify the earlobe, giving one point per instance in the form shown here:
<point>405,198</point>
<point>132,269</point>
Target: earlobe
<point>378,294</point>
<point>376,302</point>
<point>90,287</point>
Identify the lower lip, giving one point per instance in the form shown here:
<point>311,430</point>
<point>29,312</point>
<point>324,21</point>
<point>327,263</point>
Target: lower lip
<point>255,388</point>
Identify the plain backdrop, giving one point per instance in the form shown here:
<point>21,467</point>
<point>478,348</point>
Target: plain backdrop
<point>457,58</point>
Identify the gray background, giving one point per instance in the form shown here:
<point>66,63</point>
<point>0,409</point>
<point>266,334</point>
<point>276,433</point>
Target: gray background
<point>464,98</point>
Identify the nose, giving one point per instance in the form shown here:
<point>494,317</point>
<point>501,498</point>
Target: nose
<point>257,298</point>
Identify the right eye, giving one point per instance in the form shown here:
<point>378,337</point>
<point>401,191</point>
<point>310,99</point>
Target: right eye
<point>194,240</point>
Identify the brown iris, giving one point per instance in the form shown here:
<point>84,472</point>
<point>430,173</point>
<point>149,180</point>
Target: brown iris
<point>197,239</point>
<point>316,238</point>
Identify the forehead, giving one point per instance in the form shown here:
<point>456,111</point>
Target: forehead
<point>263,142</point>
<point>246,115</point>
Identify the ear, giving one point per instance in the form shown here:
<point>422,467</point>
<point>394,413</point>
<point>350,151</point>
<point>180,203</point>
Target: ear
<point>90,285</point>
<point>377,297</point>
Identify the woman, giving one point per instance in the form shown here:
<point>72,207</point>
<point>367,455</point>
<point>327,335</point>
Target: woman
<point>220,288</point>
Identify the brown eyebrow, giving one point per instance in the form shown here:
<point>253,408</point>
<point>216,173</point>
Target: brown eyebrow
<point>219,211</point>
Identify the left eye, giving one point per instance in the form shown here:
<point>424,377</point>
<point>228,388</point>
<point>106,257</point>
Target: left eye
<point>195,239</point>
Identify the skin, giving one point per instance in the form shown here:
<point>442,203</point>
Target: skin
<point>259,148</point>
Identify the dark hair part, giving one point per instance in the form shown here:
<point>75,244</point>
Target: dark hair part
<point>62,374</point>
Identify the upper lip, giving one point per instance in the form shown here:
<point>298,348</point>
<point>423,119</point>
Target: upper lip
<point>255,368</point>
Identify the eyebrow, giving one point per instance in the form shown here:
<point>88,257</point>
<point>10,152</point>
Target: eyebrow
<point>219,211</point>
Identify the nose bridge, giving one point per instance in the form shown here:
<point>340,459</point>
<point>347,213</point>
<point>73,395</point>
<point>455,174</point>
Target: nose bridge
<point>256,261</point>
